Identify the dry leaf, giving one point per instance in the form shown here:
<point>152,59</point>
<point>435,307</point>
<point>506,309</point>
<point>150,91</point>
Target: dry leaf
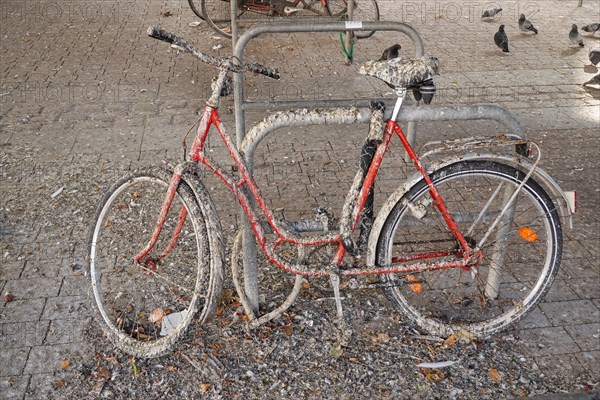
<point>171,368</point>
<point>495,375</point>
<point>59,383</point>
<point>415,287</point>
<point>288,330</point>
<point>103,373</point>
<point>156,315</point>
<point>451,340</point>
<point>204,387</point>
<point>65,364</point>
<point>8,297</point>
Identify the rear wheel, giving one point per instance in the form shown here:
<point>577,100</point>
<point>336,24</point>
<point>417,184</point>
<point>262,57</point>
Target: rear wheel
<point>364,10</point>
<point>146,307</point>
<point>520,257</point>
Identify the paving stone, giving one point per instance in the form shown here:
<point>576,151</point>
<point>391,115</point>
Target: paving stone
<point>587,336</point>
<point>64,307</point>
<point>19,334</point>
<point>569,363</point>
<point>50,386</point>
<point>13,387</point>
<point>564,313</point>
<point>34,288</point>
<point>11,270</point>
<point>48,359</point>
<point>549,341</point>
<point>12,362</point>
<point>22,310</point>
<point>65,331</point>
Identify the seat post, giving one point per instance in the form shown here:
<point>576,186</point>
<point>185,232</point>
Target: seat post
<point>401,92</point>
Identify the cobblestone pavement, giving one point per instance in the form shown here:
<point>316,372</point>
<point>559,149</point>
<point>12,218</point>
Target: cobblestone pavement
<point>86,96</point>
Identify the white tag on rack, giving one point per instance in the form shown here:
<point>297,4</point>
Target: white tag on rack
<point>353,24</point>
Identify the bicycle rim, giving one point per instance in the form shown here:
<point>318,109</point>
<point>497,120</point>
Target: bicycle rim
<point>146,308</point>
<point>364,10</point>
<point>454,300</point>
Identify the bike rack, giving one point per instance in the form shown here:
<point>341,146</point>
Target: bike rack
<point>412,115</point>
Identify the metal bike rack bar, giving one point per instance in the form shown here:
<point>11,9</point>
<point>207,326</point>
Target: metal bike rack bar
<point>409,114</point>
<point>240,105</point>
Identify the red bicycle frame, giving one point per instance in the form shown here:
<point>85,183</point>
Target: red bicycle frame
<point>464,258</point>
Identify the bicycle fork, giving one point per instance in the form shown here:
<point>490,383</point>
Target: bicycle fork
<point>171,191</point>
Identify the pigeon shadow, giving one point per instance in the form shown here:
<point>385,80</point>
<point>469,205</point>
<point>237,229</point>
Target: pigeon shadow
<point>590,69</point>
<point>571,51</point>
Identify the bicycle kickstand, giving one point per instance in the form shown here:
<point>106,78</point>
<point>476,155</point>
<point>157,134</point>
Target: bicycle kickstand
<point>343,333</point>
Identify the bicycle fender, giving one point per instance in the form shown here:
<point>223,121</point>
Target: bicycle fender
<point>562,198</point>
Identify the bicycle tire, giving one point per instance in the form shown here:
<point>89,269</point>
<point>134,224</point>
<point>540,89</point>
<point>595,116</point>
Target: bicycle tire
<point>138,305</point>
<point>364,10</point>
<point>448,301</point>
<point>195,9</point>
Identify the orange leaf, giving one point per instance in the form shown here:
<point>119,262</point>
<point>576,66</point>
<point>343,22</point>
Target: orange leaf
<point>495,375</point>
<point>451,340</point>
<point>415,287</point>
<point>528,234</point>
<point>65,364</point>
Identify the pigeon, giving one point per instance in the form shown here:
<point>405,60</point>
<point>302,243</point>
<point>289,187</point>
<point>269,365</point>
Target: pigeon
<point>490,12</point>
<point>501,39</point>
<point>390,52</point>
<point>594,81</point>
<point>591,28</point>
<point>575,36</point>
<point>594,55</point>
<point>525,25</point>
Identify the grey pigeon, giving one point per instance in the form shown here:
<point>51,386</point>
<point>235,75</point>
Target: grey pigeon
<point>594,55</point>
<point>391,52</point>
<point>525,25</point>
<point>591,28</point>
<point>575,36</point>
<point>501,39</point>
<point>490,12</point>
<point>594,81</point>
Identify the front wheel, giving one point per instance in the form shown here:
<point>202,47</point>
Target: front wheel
<point>146,307</point>
<point>521,254</point>
<point>364,10</point>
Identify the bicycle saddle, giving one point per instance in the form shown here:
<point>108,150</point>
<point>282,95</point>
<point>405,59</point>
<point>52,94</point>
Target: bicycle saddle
<point>402,72</point>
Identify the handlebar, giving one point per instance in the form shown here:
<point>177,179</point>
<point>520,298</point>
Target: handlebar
<point>160,34</point>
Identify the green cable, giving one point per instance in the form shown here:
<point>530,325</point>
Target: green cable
<point>350,55</point>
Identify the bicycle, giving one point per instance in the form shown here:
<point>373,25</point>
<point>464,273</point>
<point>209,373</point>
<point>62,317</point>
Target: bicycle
<point>468,244</point>
<point>218,12</point>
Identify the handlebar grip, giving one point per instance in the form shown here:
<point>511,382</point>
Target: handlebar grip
<point>263,70</point>
<point>160,34</point>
